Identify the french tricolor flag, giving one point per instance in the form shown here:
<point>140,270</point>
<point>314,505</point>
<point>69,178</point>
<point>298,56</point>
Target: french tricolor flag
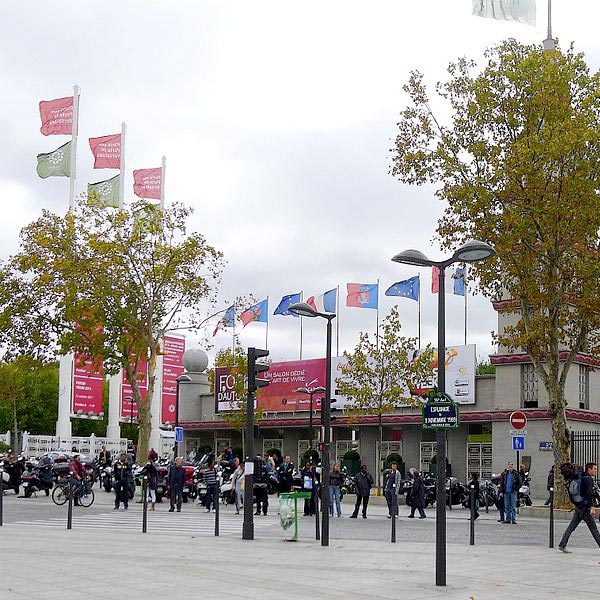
<point>325,302</point>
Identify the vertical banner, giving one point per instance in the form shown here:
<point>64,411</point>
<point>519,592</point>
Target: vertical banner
<point>172,369</point>
<point>87,387</point>
<point>127,406</point>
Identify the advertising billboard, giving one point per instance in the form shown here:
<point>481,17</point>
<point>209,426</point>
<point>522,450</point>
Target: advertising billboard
<point>285,378</point>
<point>87,386</point>
<point>174,347</point>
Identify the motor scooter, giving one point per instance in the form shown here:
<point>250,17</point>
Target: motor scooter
<point>37,477</point>
<point>523,497</point>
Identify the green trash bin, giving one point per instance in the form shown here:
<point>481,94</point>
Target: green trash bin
<point>288,511</point>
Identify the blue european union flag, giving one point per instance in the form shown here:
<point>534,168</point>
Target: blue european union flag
<point>284,305</point>
<point>408,288</point>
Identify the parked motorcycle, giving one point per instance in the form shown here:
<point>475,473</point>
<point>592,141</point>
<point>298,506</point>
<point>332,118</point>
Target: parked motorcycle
<point>523,497</point>
<point>11,476</point>
<point>37,477</point>
<point>106,478</point>
<point>456,492</point>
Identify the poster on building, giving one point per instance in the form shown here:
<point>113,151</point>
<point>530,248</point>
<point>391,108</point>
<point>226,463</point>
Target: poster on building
<point>174,347</point>
<point>88,380</point>
<point>129,409</point>
<point>281,395</point>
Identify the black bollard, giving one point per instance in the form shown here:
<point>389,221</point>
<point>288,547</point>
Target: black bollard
<point>145,504</point>
<point>1,497</point>
<point>551,532</point>
<point>317,528</point>
<point>217,514</point>
<point>394,510</point>
<point>70,507</point>
<point>472,528</point>
<point>487,503</point>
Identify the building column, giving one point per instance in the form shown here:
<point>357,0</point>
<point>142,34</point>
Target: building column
<point>65,393</point>
<point>113,429</point>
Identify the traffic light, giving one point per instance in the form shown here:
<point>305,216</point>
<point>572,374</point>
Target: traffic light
<point>326,410</point>
<point>254,369</point>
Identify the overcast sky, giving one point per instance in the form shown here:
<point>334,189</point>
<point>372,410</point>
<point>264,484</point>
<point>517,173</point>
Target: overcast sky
<point>276,119</point>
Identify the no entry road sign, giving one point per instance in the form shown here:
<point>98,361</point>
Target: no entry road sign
<point>518,420</point>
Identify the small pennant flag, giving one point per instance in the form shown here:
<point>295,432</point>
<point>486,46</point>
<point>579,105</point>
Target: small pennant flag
<point>106,151</point>
<point>362,295</point>
<point>258,312</point>
<point>227,320</point>
<point>284,305</point>
<point>325,303</point>
<point>459,281</point>
<point>104,193</point>
<point>146,183</point>
<point>56,163</point>
<point>409,288</point>
<point>57,116</point>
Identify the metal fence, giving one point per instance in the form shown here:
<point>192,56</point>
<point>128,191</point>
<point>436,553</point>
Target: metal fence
<point>585,447</point>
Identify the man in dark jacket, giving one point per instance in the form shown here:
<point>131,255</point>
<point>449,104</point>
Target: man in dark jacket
<point>123,475</point>
<point>392,487</point>
<point>416,497</point>
<point>176,483</point>
<point>363,483</point>
<point>286,474</point>
<point>509,487</point>
<point>585,511</point>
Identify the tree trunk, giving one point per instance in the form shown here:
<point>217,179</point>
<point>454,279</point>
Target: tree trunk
<point>378,454</point>
<point>145,408</point>
<point>562,443</point>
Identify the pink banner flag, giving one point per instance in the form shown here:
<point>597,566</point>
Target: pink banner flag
<point>106,151</point>
<point>57,116</point>
<point>87,386</point>
<point>172,369</point>
<point>146,183</point>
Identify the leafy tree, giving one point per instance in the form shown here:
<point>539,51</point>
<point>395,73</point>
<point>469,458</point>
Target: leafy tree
<point>379,375</point>
<point>28,396</point>
<point>110,283</point>
<point>518,165</point>
<point>237,360</point>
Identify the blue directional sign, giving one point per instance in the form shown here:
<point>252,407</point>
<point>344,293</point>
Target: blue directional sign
<point>518,442</point>
<point>179,434</point>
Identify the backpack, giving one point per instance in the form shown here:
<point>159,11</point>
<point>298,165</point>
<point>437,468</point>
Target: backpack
<point>573,475</point>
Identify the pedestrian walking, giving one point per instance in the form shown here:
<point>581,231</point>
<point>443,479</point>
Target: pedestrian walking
<point>309,484</point>
<point>549,484</point>
<point>212,486</point>
<point>392,487</point>
<point>176,482</point>
<point>509,486</point>
<point>261,488</point>
<point>363,483</point>
<point>584,511</point>
<point>123,476</point>
<point>336,479</point>
<point>237,482</point>
<point>417,495</point>
<point>151,473</point>
<point>474,485</point>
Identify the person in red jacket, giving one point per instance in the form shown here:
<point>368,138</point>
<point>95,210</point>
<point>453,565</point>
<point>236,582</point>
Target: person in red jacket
<point>78,476</point>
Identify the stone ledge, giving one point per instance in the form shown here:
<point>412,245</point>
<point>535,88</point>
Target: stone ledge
<point>543,512</point>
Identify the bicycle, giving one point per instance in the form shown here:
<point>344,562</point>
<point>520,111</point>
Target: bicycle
<point>60,494</point>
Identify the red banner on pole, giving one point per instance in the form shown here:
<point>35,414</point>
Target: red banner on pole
<point>146,183</point>
<point>106,151</point>
<point>57,116</point>
<point>172,369</point>
<point>87,386</point>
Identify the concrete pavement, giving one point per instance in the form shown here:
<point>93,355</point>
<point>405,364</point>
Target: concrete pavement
<point>108,561</point>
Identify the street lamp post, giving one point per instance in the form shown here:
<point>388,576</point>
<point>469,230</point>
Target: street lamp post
<point>303,309</point>
<point>472,251</point>
<point>317,390</point>
<point>181,379</point>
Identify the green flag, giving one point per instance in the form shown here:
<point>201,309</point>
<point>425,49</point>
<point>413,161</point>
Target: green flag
<point>104,193</point>
<point>55,164</point>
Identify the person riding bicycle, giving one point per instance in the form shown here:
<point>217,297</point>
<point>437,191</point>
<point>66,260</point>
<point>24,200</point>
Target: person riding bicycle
<point>78,477</point>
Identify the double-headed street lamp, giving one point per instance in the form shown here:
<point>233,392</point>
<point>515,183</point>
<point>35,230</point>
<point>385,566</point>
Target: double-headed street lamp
<point>302,309</point>
<point>469,252</point>
<point>183,378</point>
<point>317,390</point>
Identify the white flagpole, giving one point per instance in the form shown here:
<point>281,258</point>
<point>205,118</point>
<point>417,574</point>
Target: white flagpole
<point>233,334</point>
<point>419,311</point>
<point>122,167</point>
<point>267,329</point>
<point>162,182</point>
<point>549,42</point>
<point>377,329</point>
<point>301,300</point>
<point>466,293</point>
<point>74,134</point>
<point>337,320</point>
